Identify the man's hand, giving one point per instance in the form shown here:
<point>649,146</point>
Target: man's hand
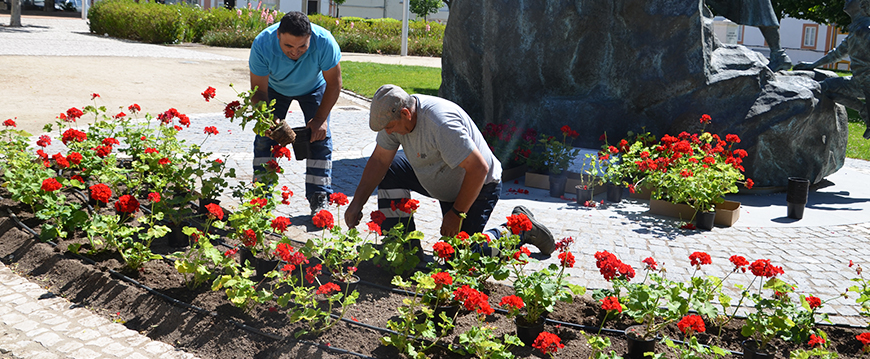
<point>353,214</point>
<point>803,65</point>
<point>450,224</point>
<point>318,129</point>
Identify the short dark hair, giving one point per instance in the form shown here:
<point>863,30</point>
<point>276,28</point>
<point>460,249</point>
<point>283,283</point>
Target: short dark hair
<point>295,23</point>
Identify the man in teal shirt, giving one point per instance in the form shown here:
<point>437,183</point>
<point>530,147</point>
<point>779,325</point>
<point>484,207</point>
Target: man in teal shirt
<point>297,60</point>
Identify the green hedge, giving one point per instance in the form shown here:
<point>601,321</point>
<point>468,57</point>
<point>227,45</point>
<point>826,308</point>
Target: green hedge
<point>165,24</point>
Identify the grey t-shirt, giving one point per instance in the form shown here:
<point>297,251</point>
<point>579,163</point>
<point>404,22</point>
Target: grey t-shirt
<point>444,137</point>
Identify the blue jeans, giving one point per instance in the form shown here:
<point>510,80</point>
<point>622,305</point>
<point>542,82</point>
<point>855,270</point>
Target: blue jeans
<point>400,180</point>
<point>318,171</point>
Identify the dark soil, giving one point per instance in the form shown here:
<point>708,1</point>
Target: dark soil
<point>218,333</point>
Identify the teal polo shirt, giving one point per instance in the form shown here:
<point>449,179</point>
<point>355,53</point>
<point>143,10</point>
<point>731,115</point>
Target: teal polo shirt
<point>289,77</point>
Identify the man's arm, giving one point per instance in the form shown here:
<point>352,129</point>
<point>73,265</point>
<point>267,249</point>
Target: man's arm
<point>476,169</point>
<point>318,124</point>
<point>836,54</point>
<point>261,83</point>
<point>374,172</point>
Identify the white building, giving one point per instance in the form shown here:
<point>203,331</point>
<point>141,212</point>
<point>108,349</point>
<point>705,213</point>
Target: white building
<point>803,40</point>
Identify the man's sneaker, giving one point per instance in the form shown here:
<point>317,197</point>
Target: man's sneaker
<point>318,202</point>
<point>539,236</point>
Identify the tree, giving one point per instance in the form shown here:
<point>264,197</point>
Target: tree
<point>423,8</point>
<point>820,11</point>
<point>15,21</point>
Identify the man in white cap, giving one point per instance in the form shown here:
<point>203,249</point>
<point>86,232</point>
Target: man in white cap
<point>445,157</point>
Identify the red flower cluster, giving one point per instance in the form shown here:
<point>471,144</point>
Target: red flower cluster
<point>328,288</point>
<point>705,119</point>
<point>815,340</point>
<point>134,108</point>
<point>250,238</point>
<point>312,272</point>
<point>443,250</point>
<point>699,258</point>
<point>763,268</point>
<point>567,259</point>
<point>611,303</point>
<point>73,135</point>
<point>110,141</point>
<point>127,204</point>
<point>323,219</point>
<point>43,141</point>
<point>650,263</point>
<point>548,343</point>
<point>374,227</point>
<point>691,324</point>
<point>60,160</point>
<point>101,192</point>
<point>78,178</point>
<point>338,198</point>
<point>813,302</point>
<point>406,205</point>
<point>289,254</point>
<point>563,244</point>
<point>864,338</point>
<point>74,157</point>
<point>512,303</point>
<point>208,94</point>
<point>473,300</point>
<point>273,166</point>
<point>231,109</point>
<point>231,252</point>
<point>378,217</point>
<point>215,211</point>
<point>610,267</point>
<point>279,151</point>
<point>519,223</point>
<point>164,161</point>
<point>150,150</point>
<point>518,254</point>
<point>280,223</point>
<point>442,279</point>
<point>154,197</point>
<point>210,130</point>
<point>259,202</point>
<point>103,151</point>
<point>286,193</point>
<point>567,131</point>
<point>9,123</point>
<point>119,115</point>
<point>51,185</point>
<point>739,262</point>
<point>73,114</point>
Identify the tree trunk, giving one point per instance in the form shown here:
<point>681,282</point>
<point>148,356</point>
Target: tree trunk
<point>15,21</point>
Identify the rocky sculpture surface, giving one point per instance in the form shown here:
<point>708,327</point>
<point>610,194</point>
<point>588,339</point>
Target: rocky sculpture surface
<point>615,66</point>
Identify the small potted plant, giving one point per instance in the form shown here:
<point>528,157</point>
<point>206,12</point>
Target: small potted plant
<point>558,155</point>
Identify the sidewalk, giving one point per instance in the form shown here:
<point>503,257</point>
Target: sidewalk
<point>814,252</point>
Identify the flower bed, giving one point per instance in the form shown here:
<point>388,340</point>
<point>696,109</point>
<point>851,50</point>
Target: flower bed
<point>291,301</point>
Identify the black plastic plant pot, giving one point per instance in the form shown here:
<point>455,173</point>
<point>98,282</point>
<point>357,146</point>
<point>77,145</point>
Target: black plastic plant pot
<point>798,190</point>
<point>614,193</point>
<point>302,143</point>
<point>584,194</point>
<point>704,220</point>
<point>637,344</point>
<point>528,332</point>
<point>557,184</point>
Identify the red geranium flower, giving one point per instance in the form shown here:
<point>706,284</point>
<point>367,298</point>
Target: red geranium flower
<point>134,108</point>
<point>739,262</point>
<point>164,161</point>
<point>518,254</point>
<point>699,258</point>
<point>815,340</point>
<point>210,130</point>
<point>705,119</point>
<point>109,141</point>
<point>814,302</point>
<point>60,160</point>
<point>281,151</point>
<point>259,202</point>
<point>691,324</point>
<point>338,198</point>
<point>215,211</point>
<point>73,113</point>
<point>74,157</point>
<point>119,115</point>
<point>73,135</point>
<point>611,303</point>
<point>443,250</point>
<point>154,197</point>
<point>512,303</point>
<point>732,138</point>
<point>442,279</point>
<point>378,217</point>
<point>151,150</point>
<point>374,227</point>
<point>749,183</point>
<point>283,250</point>
<point>51,185</point>
<point>548,343</point>
<point>763,268</point>
<point>101,192</point>
<point>94,95</point>
<point>323,219</point>
<point>43,141</point>
<point>231,252</point>
<point>250,239</point>
<point>519,223</point>
<point>231,109</point>
<point>650,263</point>
<point>208,94</point>
<point>408,205</point>
<point>328,288</point>
<point>78,178</point>
<point>9,123</point>
<point>280,223</point>
<point>567,259</point>
<point>103,151</point>
<point>127,204</point>
<point>864,338</point>
<point>312,272</point>
<point>473,300</point>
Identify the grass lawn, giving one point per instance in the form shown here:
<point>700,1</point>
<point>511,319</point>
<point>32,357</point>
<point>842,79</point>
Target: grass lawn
<point>365,78</point>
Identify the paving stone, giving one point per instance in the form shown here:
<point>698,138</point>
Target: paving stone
<point>85,353</point>
<point>68,346</point>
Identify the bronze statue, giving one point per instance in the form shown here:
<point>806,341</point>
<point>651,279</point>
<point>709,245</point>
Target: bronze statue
<point>758,13</point>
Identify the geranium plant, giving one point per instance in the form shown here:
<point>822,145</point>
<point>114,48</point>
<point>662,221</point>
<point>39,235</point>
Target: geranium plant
<point>245,111</point>
<point>512,145</point>
<point>558,154</point>
<point>400,248</point>
<point>697,169</point>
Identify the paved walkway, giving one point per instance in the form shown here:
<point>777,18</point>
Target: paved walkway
<point>814,252</point>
